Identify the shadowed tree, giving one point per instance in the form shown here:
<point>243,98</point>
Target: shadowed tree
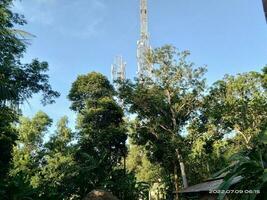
<point>18,82</point>
<point>102,134</point>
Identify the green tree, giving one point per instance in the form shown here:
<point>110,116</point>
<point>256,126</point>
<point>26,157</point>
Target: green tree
<point>62,137</point>
<point>164,104</point>
<point>147,173</point>
<point>237,106</point>
<point>18,82</point>
<point>144,170</point>
<point>88,88</point>
<point>102,134</point>
<point>27,156</point>
<point>55,178</point>
<point>232,115</point>
<point>43,170</point>
<point>249,168</point>
<point>207,155</point>
<point>7,137</point>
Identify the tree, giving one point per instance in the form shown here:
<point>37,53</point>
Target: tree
<point>164,104</point>
<point>138,163</point>
<point>43,170</point>
<point>231,116</point>
<point>7,138</point>
<point>55,178</point>
<point>18,81</point>
<point>102,134</point>
<point>207,154</point>
<point>147,174</point>
<point>249,168</point>
<point>90,87</point>
<point>27,156</point>
<point>237,104</point>
<point>62,137</point>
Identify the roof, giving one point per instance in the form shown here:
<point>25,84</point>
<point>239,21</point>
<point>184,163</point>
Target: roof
<point>208,185</point>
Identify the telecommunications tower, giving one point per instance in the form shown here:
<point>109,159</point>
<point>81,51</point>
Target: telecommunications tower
<point>118,70</point>
<point>143,46</point>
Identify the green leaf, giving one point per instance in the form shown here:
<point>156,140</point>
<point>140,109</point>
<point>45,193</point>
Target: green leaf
<point>264,176</point>
<point>226,184</point>
<point>263,137</point>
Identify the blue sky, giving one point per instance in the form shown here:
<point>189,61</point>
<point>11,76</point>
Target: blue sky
<point>80,36</point>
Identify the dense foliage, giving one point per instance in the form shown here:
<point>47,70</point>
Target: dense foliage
<point>102,134</point>
<point>164,104</point>
<point>179,131</point>
<point>249,167</point>
<point>18,82</point>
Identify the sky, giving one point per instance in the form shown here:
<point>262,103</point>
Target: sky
<point>79,36</point>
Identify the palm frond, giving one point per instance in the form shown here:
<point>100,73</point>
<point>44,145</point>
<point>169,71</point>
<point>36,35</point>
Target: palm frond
<point>22,33</point>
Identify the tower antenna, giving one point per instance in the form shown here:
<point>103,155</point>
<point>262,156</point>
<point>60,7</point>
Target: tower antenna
<point>144,68</point>
<point>118,71</point>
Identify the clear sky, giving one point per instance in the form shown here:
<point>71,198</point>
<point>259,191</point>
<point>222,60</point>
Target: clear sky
<point>79,36</point>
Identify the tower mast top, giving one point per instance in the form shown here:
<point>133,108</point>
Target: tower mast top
<point>144,18</point>
<point>143,46</point>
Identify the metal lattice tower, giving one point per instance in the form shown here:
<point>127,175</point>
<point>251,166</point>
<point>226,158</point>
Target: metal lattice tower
<point>143,46</point>
<point>118,71</point>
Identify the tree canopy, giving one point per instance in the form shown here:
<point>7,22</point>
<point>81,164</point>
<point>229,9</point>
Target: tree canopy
<point>18,81</point>
<point>164,104</point>
<point>152,137</point>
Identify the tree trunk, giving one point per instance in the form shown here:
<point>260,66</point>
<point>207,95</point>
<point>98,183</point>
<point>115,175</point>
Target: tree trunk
<point>176,181</point>
<point>182,168</point>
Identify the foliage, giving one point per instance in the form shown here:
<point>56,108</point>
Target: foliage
<point>250,167</point>
<point>144,170</point>
<point>206,157</point>
<point>27,155</point>
<point>147,174</point>
<point>102,134</point>
<point>237,105</point>
<point>232,114</point>
<point>42,170</point>
<point>7,140</point>
<point>7,137</point>
<point>220,122</point>
<point>18,82</point>
<point>54,180</point>
<point>164,104</point>
<point>125,186</point>
<point>88,87</point>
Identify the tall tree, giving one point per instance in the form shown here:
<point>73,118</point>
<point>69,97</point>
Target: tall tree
<point>237,105</point>
<point>27,156</point>
<point>55,178</point>
<point>164,104</point>
<point>43,170</point>
<point>232,115</point>
<point>102,133</point>
<point>7,138</point>
<point>18,82</point>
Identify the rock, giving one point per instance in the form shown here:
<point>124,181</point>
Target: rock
<point>100,195</point>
